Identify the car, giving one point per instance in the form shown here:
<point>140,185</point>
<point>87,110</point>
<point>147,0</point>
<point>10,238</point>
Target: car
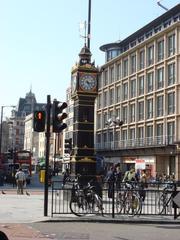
<point>27,175</point>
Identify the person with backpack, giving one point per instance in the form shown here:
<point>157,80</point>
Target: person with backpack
<point>130,175</point>
<point>143,185</point>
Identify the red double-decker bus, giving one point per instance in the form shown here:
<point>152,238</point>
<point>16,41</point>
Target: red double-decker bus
<point>24,158</point>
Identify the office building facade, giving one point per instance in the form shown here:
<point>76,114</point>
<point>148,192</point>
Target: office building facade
<point>139,84</point>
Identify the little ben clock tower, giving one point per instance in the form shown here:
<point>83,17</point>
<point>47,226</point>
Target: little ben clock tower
<point>84,85</point>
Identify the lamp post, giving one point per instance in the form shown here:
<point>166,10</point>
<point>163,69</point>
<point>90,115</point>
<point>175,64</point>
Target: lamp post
<point>113,122</point>
<point>1,128</point>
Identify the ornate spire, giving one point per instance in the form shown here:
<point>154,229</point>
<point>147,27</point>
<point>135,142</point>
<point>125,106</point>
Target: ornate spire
<point>85,56</point>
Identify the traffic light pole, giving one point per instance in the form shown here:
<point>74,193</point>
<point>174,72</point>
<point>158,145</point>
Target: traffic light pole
<point>48,109</point>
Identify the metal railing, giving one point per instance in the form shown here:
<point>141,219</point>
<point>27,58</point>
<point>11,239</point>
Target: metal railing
<point>136,143</point>
<point>155,202</point>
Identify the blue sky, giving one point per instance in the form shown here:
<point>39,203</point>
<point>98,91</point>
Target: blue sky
<point>40,40</point>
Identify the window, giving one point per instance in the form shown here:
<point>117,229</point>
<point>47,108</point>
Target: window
<point>118,71</point>
<point>105,118</point>
<point>149,135</point>
<point>132,136</point>
<point>132,113</point>
<point>170,132</point>
<point>111,96</point>
<point>125,67</point>
<point>150,78</point>
<point>105,99</point>
<point>160,78</point>
<point>159,108</point>
<point>124,114</point>
<point>160,50</point>
<point>159,133</point>
<point>171,103</point>
<point>124,137</point>
<point>133,64</point>
<point>140,134</point>
<point>99,100</point>
<point>141,110</point>
<point>171,45</point>
<point>133,88</point>
<point>149,108</point>
<point>141,59</point>
<point>125,91</point>
<point>98,121</point>
<point>117,113</point>
<point>150,55</point>
<point>105,78</point>
<point>118,94</point>
<point>111,78</point>
<point>111,114</point>
<point>141,85</point>
<point>171,74</point>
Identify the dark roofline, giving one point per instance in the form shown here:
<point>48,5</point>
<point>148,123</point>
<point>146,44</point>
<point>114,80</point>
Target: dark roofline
<point>146,28</point>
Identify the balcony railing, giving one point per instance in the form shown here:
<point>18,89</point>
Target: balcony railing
<point>136,143</point>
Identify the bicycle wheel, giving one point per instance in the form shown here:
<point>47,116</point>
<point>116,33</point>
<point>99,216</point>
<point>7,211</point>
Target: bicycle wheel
<point>98,203</point>
<point>136,205</point>
<point>79,206</point>
<point>119,202</point>
<point>161,204</point>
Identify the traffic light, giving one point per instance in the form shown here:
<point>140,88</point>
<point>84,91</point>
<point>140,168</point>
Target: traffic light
<point>68,145</point>
<point>10,154</point>
<point>39,121</point>
<point>58,116</point>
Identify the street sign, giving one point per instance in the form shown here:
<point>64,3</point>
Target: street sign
<point>140,164</point>
<point>176,200</point>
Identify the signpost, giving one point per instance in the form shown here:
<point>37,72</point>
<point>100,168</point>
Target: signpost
<point>140,164</point>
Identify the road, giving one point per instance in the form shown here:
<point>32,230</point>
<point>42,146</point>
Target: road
<point>108,231</point>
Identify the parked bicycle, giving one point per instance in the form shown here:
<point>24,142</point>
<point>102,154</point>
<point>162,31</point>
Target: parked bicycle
<point>165,202</point>
<point>85,200</point>
<point>128,200</point>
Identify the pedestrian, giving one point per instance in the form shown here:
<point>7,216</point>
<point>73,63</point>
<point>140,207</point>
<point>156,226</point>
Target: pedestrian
<point>118,177</point>
<point>143,185</point>
<point>130,175</point>
<point>66,176</point>
<point>20,180</point>
<point>110,178</point>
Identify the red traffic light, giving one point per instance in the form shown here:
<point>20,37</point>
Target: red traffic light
<point>39,121</point>
<point>39,115</point>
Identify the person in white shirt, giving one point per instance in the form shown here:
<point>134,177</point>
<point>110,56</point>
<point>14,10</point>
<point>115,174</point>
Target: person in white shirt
<point>20,180</point>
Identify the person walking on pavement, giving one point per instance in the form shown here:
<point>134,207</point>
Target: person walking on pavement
<point>20,180</point>
<point>66,176</point>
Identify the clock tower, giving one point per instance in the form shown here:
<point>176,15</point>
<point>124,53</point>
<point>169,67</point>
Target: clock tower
<point>84,87</point>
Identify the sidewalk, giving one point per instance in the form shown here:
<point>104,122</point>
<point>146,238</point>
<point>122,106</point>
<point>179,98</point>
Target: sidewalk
<point>22,232</point>
<point>16,211</point>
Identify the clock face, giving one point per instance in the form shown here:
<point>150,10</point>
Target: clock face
<point>88,82</point>
<point>73,82</point>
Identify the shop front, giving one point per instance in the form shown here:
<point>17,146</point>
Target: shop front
<point>140,163</point>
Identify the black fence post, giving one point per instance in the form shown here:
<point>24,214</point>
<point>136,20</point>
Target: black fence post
<point>48,109</point>
<point>175,206</point>
<point>113,181</point>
